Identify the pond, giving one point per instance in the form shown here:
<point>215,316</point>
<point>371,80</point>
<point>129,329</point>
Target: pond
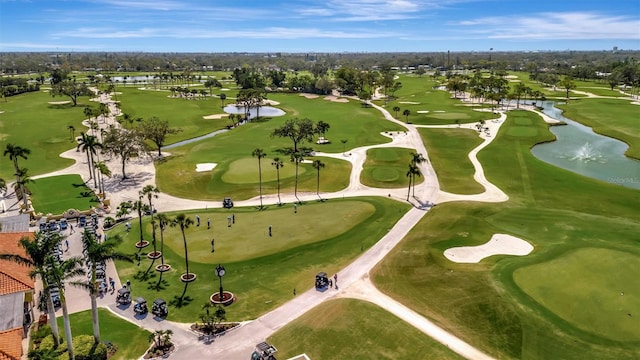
<point>264,111</point>
<point>580,150</point>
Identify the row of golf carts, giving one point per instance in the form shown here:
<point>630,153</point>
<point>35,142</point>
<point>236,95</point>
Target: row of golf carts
<point>159,307</point>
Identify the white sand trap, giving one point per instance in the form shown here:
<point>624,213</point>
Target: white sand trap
<point>500,244</point>
<point>224,89</point>
<point>205,167</point>
<point>635,103</point>
<point>60,102</point>
<point>440,111</point>
<point>309,96</point>
<point>215,116</point>
<point>514,80</point>
<point>511,77</point>
<point>423,111</point>
<point>409,102</point>
<point>45,90</point>
<point>336,99</point>
<point>271,102</point>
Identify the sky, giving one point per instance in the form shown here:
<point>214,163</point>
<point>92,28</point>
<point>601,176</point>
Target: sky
<point>318,25</point>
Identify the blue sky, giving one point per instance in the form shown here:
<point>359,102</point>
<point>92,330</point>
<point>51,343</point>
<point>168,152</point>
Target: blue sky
<point>318,26</point>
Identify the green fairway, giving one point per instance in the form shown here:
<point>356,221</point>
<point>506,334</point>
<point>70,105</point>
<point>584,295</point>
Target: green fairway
<point>594,289</point>
<point>559,213</point>
<point>387,168</point>
<point>57,194</point>
<point>28,120</point>
<point>250,255</point>
<point>611,117</point>
<point>180,113</point>
<point>130,340</point>
<point>449,154</point>
<point>353,329</point>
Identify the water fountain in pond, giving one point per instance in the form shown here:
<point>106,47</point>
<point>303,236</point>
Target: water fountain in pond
<point>587,153</point>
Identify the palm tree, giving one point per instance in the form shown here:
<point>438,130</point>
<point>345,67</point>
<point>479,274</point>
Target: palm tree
<point>296,157</point>
<point>163,221</point>
<point>36,253</point>
<point>416,159</point>
<point>59,273</point>
<point>317,164</point>
<point>182,221</point>
<point>103,170</point>
<point>406,113</point>
<point>223,97</point>
<point>396,109</point>
<point>3,185</point>
<point>95,253</point>
<point>21,185</point>
<point>410,174</point>
<point>150,192</point>
<point>89,144</point>
<point>344,142</point>
<point>14,152</point>
<point>259,154</point>
<point>141,207</point>
<point>278,164</point>
<point>88,112</point>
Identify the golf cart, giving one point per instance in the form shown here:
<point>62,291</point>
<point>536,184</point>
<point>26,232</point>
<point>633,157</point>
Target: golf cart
<point>322,281</point>
<point>264,351</point>
<point>124,296</point>
<point>159,308</point>
<point>140,307</point>
<point>227,203</point>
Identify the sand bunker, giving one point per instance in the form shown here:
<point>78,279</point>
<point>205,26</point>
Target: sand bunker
<point>215,116</point>
<point>224,89</point>
<point>309,96</point>
<point>408,102</point>
<point>205,167</point>
<point>60,102</point>
<point>500,244</point>
<point>336,99</point>
<point>271,102</point>
<point>423,111</point>
<point>511,77</point>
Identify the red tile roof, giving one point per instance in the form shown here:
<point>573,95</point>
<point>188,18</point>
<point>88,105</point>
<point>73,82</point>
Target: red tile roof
<point>13,277</point>
<point>11,344</point>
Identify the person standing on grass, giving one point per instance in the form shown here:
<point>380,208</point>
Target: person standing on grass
<point>213,244</point>
<point>208,223</point>
<point>197,220</point>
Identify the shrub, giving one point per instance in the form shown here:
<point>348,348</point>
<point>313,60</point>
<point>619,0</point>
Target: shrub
<point>85,348</point>
<point>41,333</point>
<point>46,343</point>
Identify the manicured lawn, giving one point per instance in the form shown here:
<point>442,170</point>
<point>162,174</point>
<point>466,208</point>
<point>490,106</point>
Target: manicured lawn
<point>591,288</point>
<point>58,194</point>
<point>30,121</point>
<point>131,340</point>
<point>610,117</point>
<point>181,113</point>
<point>449,154</point>
<point>353,329</point>
<point>387,168</point>
<point>559,213</point>
<point>237,173</point>
<point>315,239</point>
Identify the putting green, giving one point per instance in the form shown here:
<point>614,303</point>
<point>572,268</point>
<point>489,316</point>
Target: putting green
<point>387,168</point>
<point>249,237</point>
<point>595,289</point>
<point>245,171</point>
<point>522,131</point>
<point>449,115</point>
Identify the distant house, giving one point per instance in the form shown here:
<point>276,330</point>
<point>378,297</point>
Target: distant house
<point>16,297</point>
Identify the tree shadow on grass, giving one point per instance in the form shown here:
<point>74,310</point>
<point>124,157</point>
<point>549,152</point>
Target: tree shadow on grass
<point>144,275</point>
<point>182,300</point>
<point>158,285</point>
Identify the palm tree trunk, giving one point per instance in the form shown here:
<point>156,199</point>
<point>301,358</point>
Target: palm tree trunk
<point>94,316</point>
<point>186,253</point>
<point>409,191</point>
<point>89,163</point>
<point>67,328</point>
<point>52,319</point>
<point>93,169</point>
<point>124,176</point>
<point>295,189</point>
<point>318,184</point>
<point>260,181</point>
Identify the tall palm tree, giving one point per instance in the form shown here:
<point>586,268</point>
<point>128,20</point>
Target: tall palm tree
<point>317,164</point>
<point>163,221</point>
<point>140,207</point>
<point>88,112</point>
<point>103,170</point>
<point>182,221</point>
<point>151,192</point>
<point>59,273</point>
<point>90,144</point>
<point>259,154</point>
<point>416,159</point>
<point>36,252</point>
<point>21,185</point>
<point>278,164</point>
<point>95,253</point>
<point>410,174</point>
<point>396,109</point>
<point>297,158</point>
<point>406,113</point>
<point>72,132</point>
<point>223,97</point>
<point>3,185</point>
<point>14,152</point>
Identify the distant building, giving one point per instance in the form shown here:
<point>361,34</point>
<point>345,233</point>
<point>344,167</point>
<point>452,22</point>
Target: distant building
<point>16,297</point>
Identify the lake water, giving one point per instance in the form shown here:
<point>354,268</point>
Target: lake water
<point>580,150</point>
<point>264,111</point>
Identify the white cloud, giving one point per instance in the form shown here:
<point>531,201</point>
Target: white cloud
<point>568,25</point>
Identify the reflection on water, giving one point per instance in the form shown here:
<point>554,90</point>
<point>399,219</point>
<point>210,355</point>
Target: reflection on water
<point>580,150</point>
